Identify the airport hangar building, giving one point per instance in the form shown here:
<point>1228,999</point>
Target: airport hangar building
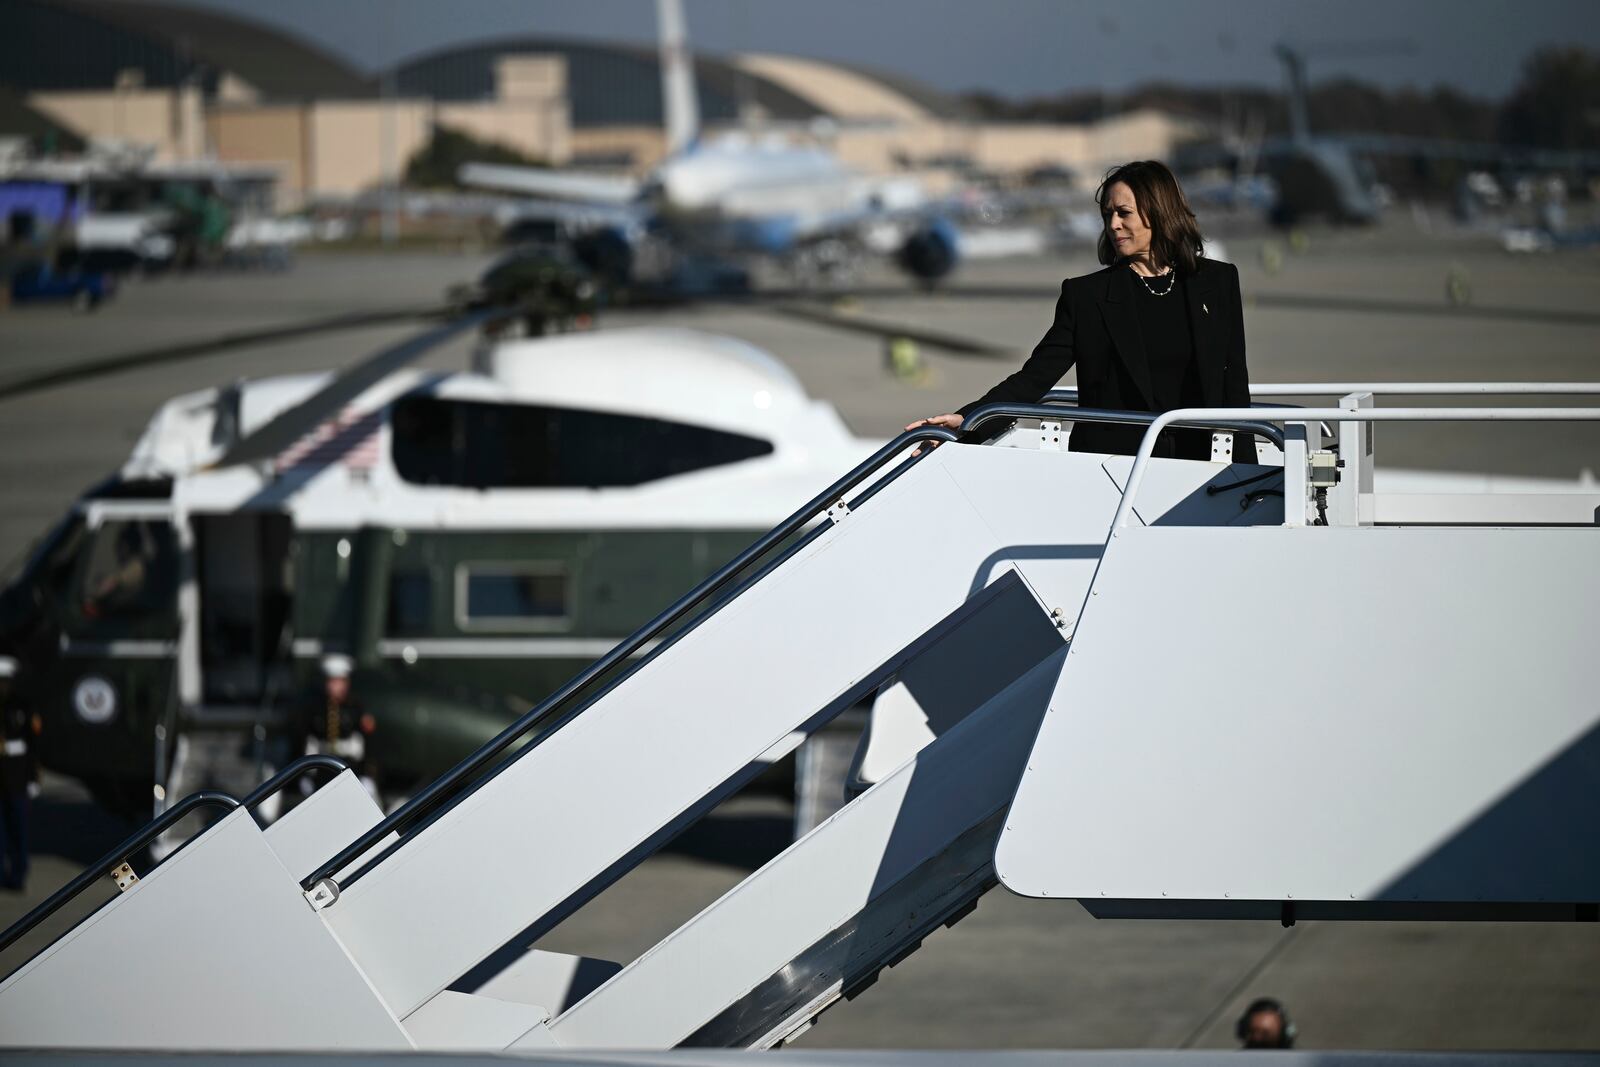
<point>192,84</point>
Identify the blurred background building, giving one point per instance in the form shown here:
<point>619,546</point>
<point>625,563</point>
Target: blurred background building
<point>183,85</point>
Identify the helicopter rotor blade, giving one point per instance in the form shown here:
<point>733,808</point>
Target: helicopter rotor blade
<point>288,426</point>
<point>954,344</point>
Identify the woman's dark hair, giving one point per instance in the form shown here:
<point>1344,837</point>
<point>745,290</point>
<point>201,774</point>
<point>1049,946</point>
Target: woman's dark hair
<point>1174,234</point>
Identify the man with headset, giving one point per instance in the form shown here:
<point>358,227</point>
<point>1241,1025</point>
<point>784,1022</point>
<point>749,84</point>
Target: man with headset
<point>1265,1024</point>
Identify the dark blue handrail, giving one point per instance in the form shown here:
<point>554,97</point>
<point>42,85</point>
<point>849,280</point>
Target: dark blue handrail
<point>114,859</point>
<point>1064,413</point>
<point>302,766</point>
<point>154,829</point>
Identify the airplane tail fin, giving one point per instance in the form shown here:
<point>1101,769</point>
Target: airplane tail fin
<point>677,78</point>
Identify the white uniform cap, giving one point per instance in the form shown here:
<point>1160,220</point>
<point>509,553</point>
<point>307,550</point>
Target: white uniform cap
<point>336,666</point>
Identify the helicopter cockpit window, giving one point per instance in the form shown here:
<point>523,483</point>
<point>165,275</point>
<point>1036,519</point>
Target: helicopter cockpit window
<point>524,446</point>
<point>129,569</point>
<point>519,596</point>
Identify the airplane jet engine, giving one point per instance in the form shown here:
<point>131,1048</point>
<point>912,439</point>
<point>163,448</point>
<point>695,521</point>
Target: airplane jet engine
<point>930,252</point>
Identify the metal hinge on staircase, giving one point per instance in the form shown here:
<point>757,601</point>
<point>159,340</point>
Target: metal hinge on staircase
<point>838,512</point>
<point>123,875</point>
<point>323,894</point>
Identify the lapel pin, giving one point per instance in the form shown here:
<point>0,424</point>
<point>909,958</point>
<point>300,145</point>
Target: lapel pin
<point>1205,309</point>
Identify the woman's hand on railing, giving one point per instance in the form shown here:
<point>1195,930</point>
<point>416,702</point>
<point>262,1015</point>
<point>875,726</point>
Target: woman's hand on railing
<point>949,421</point>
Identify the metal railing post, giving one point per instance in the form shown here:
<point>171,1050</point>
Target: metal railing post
<point>1211,417</point>
<point>1353,494</point>
<point>1296,457</point>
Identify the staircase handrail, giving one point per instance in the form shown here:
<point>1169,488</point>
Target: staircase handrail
<point>155,828</point>
<point>116,858</point>
<point>1003,409</point>
<point>1069,394</point>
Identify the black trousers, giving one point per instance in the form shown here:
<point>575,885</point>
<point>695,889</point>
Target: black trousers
<point>13,836</point>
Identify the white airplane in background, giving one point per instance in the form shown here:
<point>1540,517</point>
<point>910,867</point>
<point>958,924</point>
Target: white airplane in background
<point>737,195</point>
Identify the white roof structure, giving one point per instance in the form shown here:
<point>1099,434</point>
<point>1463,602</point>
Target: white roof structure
<point>342,473</point>
<point>676,374</point>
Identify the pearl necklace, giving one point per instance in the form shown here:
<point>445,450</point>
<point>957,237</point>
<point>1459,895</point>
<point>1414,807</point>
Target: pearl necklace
<point>1172,279</point>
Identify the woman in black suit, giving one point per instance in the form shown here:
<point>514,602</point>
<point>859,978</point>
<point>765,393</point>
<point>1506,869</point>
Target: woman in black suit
<point>1161,327</point>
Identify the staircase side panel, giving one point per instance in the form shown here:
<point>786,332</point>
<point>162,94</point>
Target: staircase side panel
<point>1323,714</point>
<point>216,949</point>
<point>323,823</point>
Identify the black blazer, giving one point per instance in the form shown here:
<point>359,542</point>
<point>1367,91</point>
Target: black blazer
<point>1097,328</point>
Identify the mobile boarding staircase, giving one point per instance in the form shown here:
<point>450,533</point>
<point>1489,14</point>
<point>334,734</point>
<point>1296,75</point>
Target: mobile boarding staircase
<point>1091,672</point>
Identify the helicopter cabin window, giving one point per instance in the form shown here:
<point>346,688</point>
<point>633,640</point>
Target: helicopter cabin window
<point>524,446</point>
<point>511,596</point>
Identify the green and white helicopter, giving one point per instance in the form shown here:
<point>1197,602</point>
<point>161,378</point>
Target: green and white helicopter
<point>390,563</point>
